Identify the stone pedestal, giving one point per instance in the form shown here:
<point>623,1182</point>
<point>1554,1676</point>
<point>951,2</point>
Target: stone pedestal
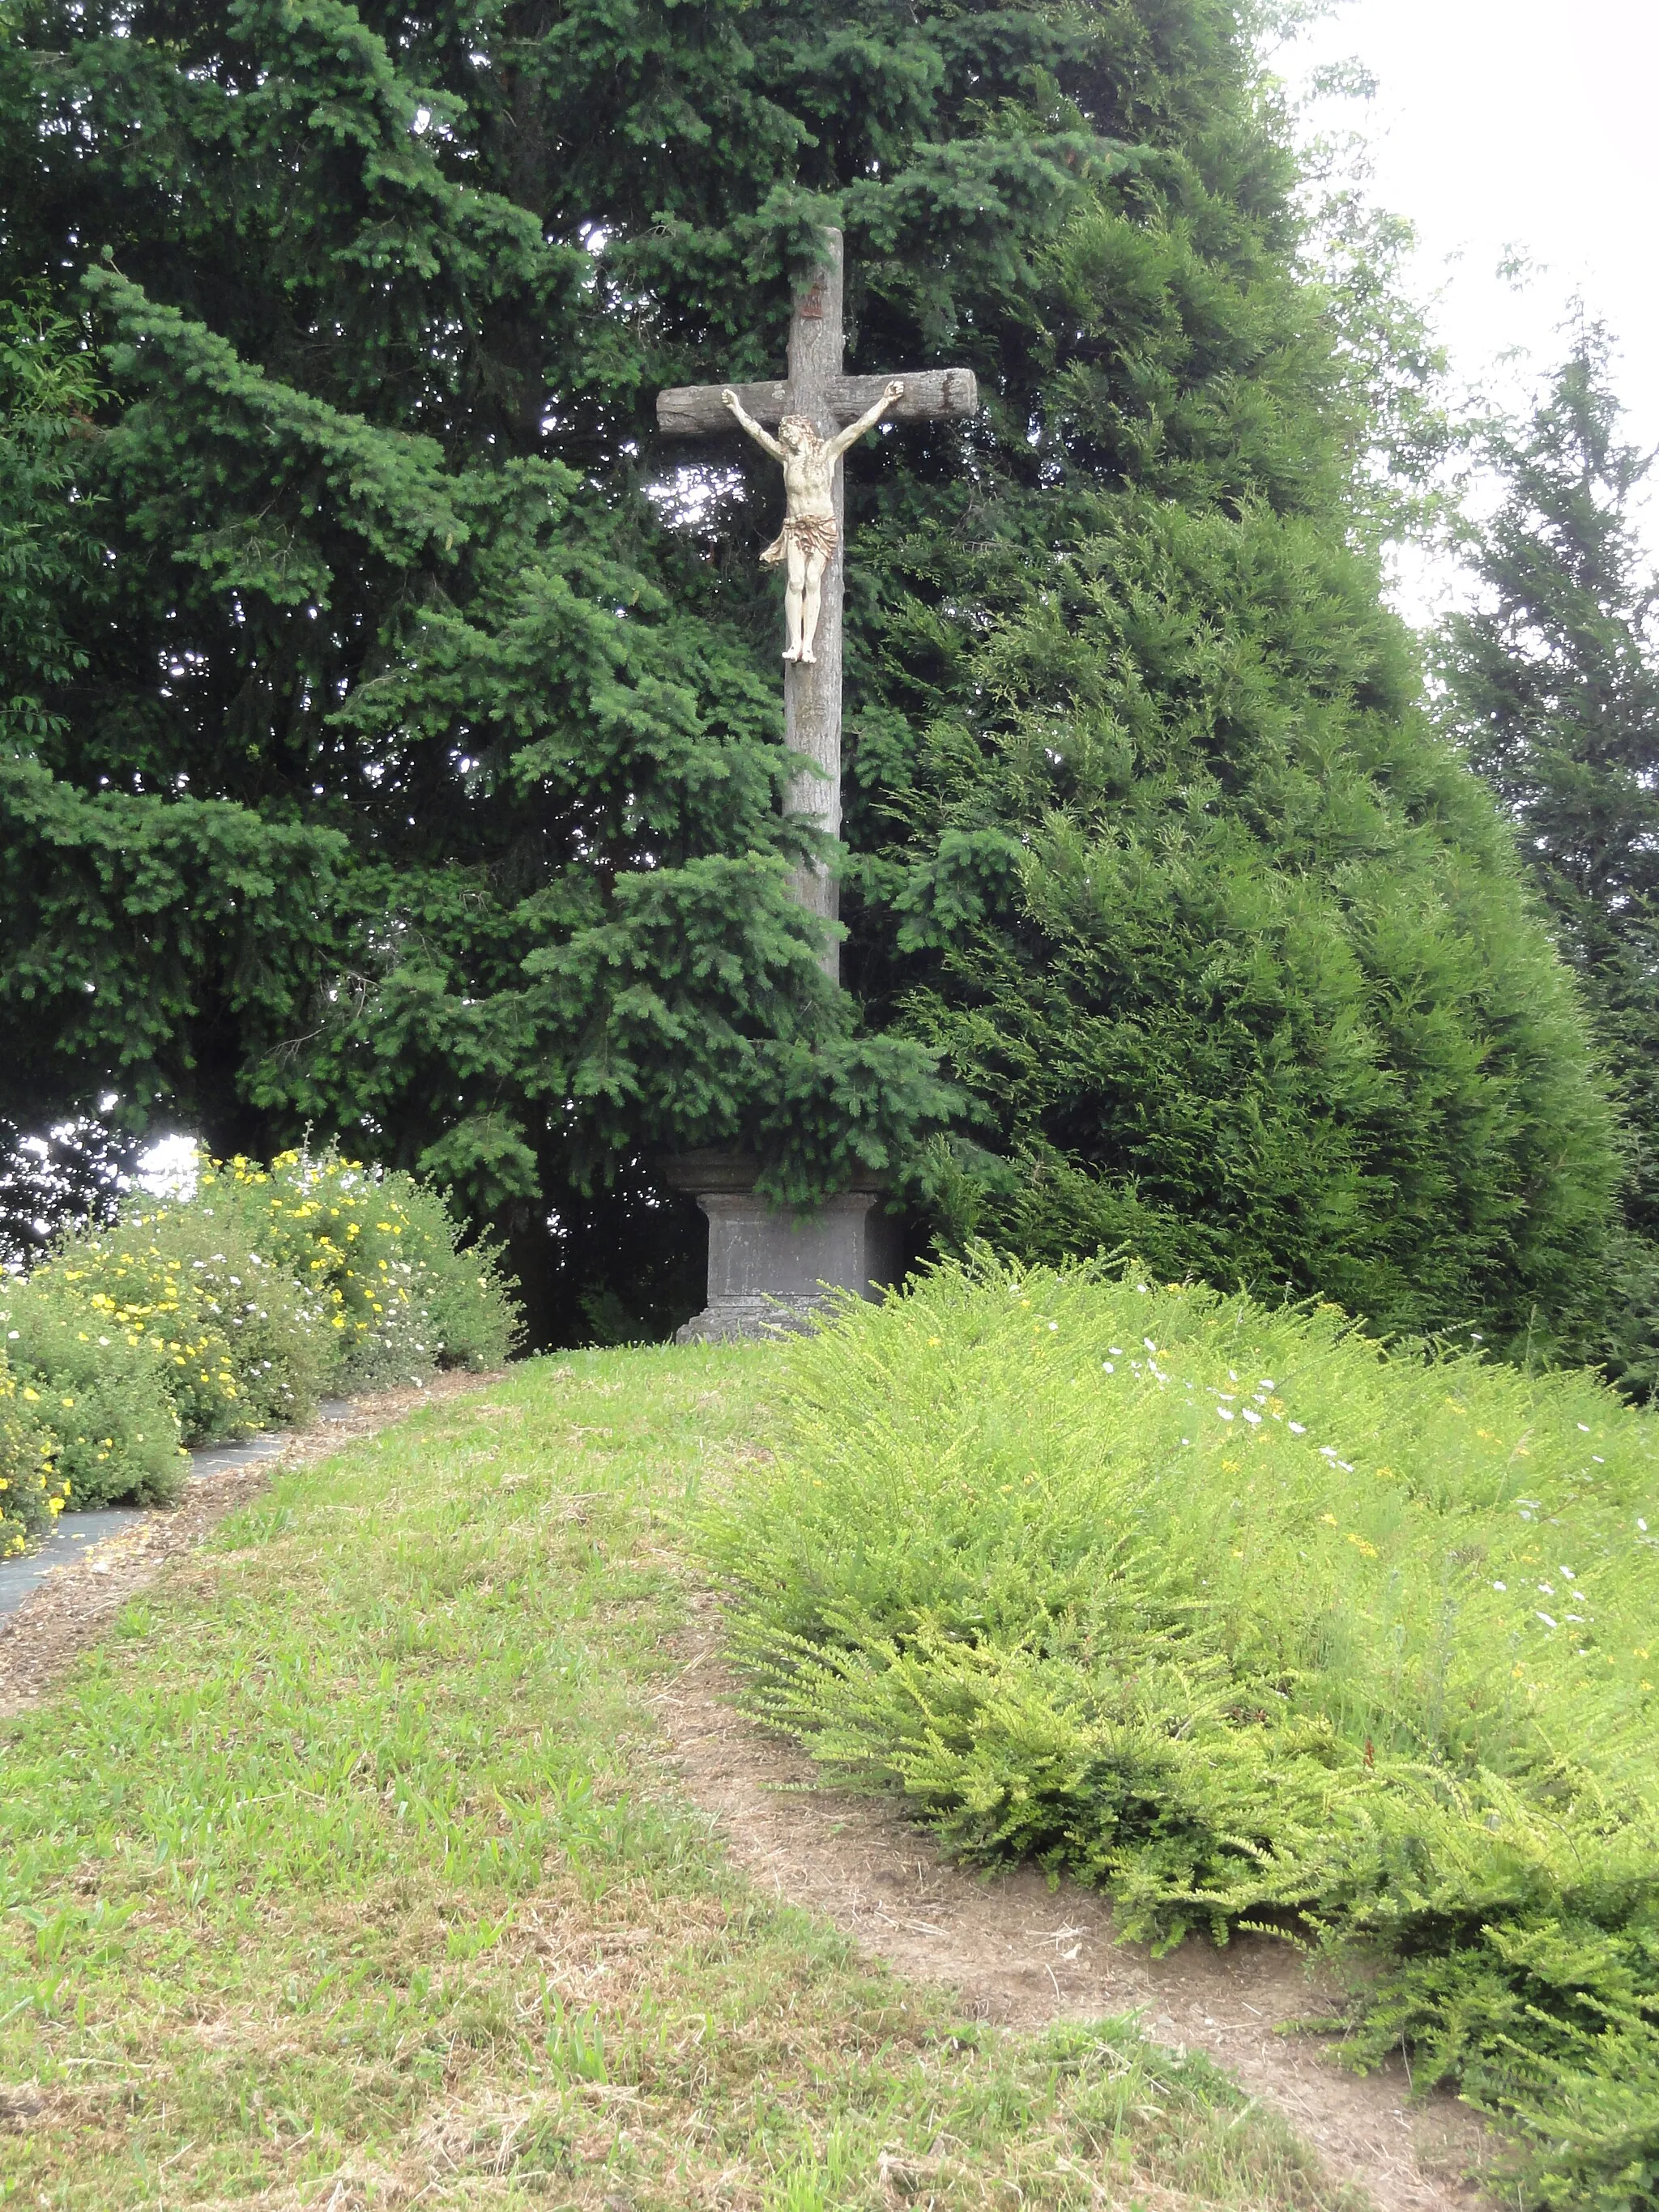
<point>765,1265</point>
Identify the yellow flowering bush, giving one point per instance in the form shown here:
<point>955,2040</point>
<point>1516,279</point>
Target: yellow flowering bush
<point>380,1253</point>
<point>33,1491</point>
<point>98,1393</point>
<point>235,1337</point>
<point>210,1315</point>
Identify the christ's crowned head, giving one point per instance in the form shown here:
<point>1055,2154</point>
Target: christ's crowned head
<point>798,434</point>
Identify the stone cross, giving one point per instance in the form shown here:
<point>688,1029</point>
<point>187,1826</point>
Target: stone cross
<point>818,388</point>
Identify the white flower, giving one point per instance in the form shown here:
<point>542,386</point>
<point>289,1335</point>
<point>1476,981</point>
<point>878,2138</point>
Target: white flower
<point>1253,1418</point>
<point>1641,1524</point>
<point>1231,1378</point>
<point>1500,1586</point>
<point>1583,1428</point>
<point>1298,1428</point>
<point>1053,1325</point>
<point>1109,1367</point>
<point>1547,1622</point>
<point>1569,1575</point>
<point>1116,1351</point>
<point>1225,1411</point>
<point>1150,1345</point>
<point>1597,1457</point>
<point>1548,1588</point>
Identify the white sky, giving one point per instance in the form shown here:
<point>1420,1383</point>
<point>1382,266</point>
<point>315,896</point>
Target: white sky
<point>1501,124</point>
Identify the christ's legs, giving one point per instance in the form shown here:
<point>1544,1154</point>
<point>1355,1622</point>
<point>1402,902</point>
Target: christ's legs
<point>816,565</point>
<point>792,605</point>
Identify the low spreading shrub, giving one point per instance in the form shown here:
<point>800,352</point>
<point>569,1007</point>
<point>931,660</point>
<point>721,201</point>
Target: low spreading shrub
<point>201,1317</point>
<point>1246,1621</point>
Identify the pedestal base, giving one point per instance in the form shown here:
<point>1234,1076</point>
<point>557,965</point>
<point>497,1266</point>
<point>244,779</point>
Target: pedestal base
<point>768,1269</point>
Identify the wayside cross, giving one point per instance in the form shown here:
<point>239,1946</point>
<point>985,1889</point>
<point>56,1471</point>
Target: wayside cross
<point>818,411</point>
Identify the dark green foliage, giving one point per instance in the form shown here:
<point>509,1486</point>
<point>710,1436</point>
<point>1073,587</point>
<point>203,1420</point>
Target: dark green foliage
<point>1552,685</point>
<point>1227,1610</point>
<point>1238,953</point>
<point>410,763</point>
<point>74,1173</point>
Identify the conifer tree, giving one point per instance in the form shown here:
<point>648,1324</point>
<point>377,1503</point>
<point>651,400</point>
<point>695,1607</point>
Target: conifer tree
<point>1551,683</point>
<point>414,769</point>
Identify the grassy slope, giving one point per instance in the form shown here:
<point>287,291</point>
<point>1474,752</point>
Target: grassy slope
<point>347,1874</point>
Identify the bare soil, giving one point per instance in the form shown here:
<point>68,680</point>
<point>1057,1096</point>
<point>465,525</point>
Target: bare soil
<point>74,1604</point>
<point>1022,1953</point>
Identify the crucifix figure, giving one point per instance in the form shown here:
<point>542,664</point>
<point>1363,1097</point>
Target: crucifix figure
<point>810,534</point>
<point>836,410</point>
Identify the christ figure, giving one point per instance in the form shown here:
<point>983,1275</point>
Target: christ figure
<point>807,540</point>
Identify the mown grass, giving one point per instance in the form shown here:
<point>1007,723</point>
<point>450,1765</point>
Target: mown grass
<point>1226,1611</point>
<point>348,1873</point>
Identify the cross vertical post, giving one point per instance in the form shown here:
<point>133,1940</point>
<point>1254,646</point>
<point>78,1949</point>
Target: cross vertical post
<point>812,690</point>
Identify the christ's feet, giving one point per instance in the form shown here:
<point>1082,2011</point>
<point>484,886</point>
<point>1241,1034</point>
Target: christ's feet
<point>806,654</point>
<point>792,652</point>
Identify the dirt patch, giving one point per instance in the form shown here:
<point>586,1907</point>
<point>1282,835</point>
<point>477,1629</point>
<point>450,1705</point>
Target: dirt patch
<point>74,1604</point>
<point>1022,1954</point>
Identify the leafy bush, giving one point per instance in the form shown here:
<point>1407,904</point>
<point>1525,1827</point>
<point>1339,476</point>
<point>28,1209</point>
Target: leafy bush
<point>99,1391</point>
<point>1235,1614</point>
<point>230,1310</point>
<point>237,1338</point>
<point>380,1251</point>
<point>32,1493</point>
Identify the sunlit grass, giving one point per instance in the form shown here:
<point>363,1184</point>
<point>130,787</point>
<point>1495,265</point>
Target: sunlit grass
<point>348,1872</point>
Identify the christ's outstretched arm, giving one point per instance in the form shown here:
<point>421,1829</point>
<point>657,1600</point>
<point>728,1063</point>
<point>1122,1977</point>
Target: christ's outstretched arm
<point>849,437</point>
<point>746,422</point>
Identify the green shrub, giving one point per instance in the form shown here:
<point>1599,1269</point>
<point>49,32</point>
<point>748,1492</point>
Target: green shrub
<point>32,1492</point>
<point>237,1340</point>
<point>101,1392</point>
<point>230,1310</point>
<point>1239,1617</point>
<point>377,1252</point>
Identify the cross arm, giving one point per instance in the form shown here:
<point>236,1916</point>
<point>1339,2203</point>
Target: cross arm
<point>696,410</point>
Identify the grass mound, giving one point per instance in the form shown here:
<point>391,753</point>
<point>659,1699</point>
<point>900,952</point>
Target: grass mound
<point>344,1873</point>
<point>1232,1613</point>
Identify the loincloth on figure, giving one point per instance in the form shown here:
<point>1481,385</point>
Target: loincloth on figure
<point>809,533</point>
